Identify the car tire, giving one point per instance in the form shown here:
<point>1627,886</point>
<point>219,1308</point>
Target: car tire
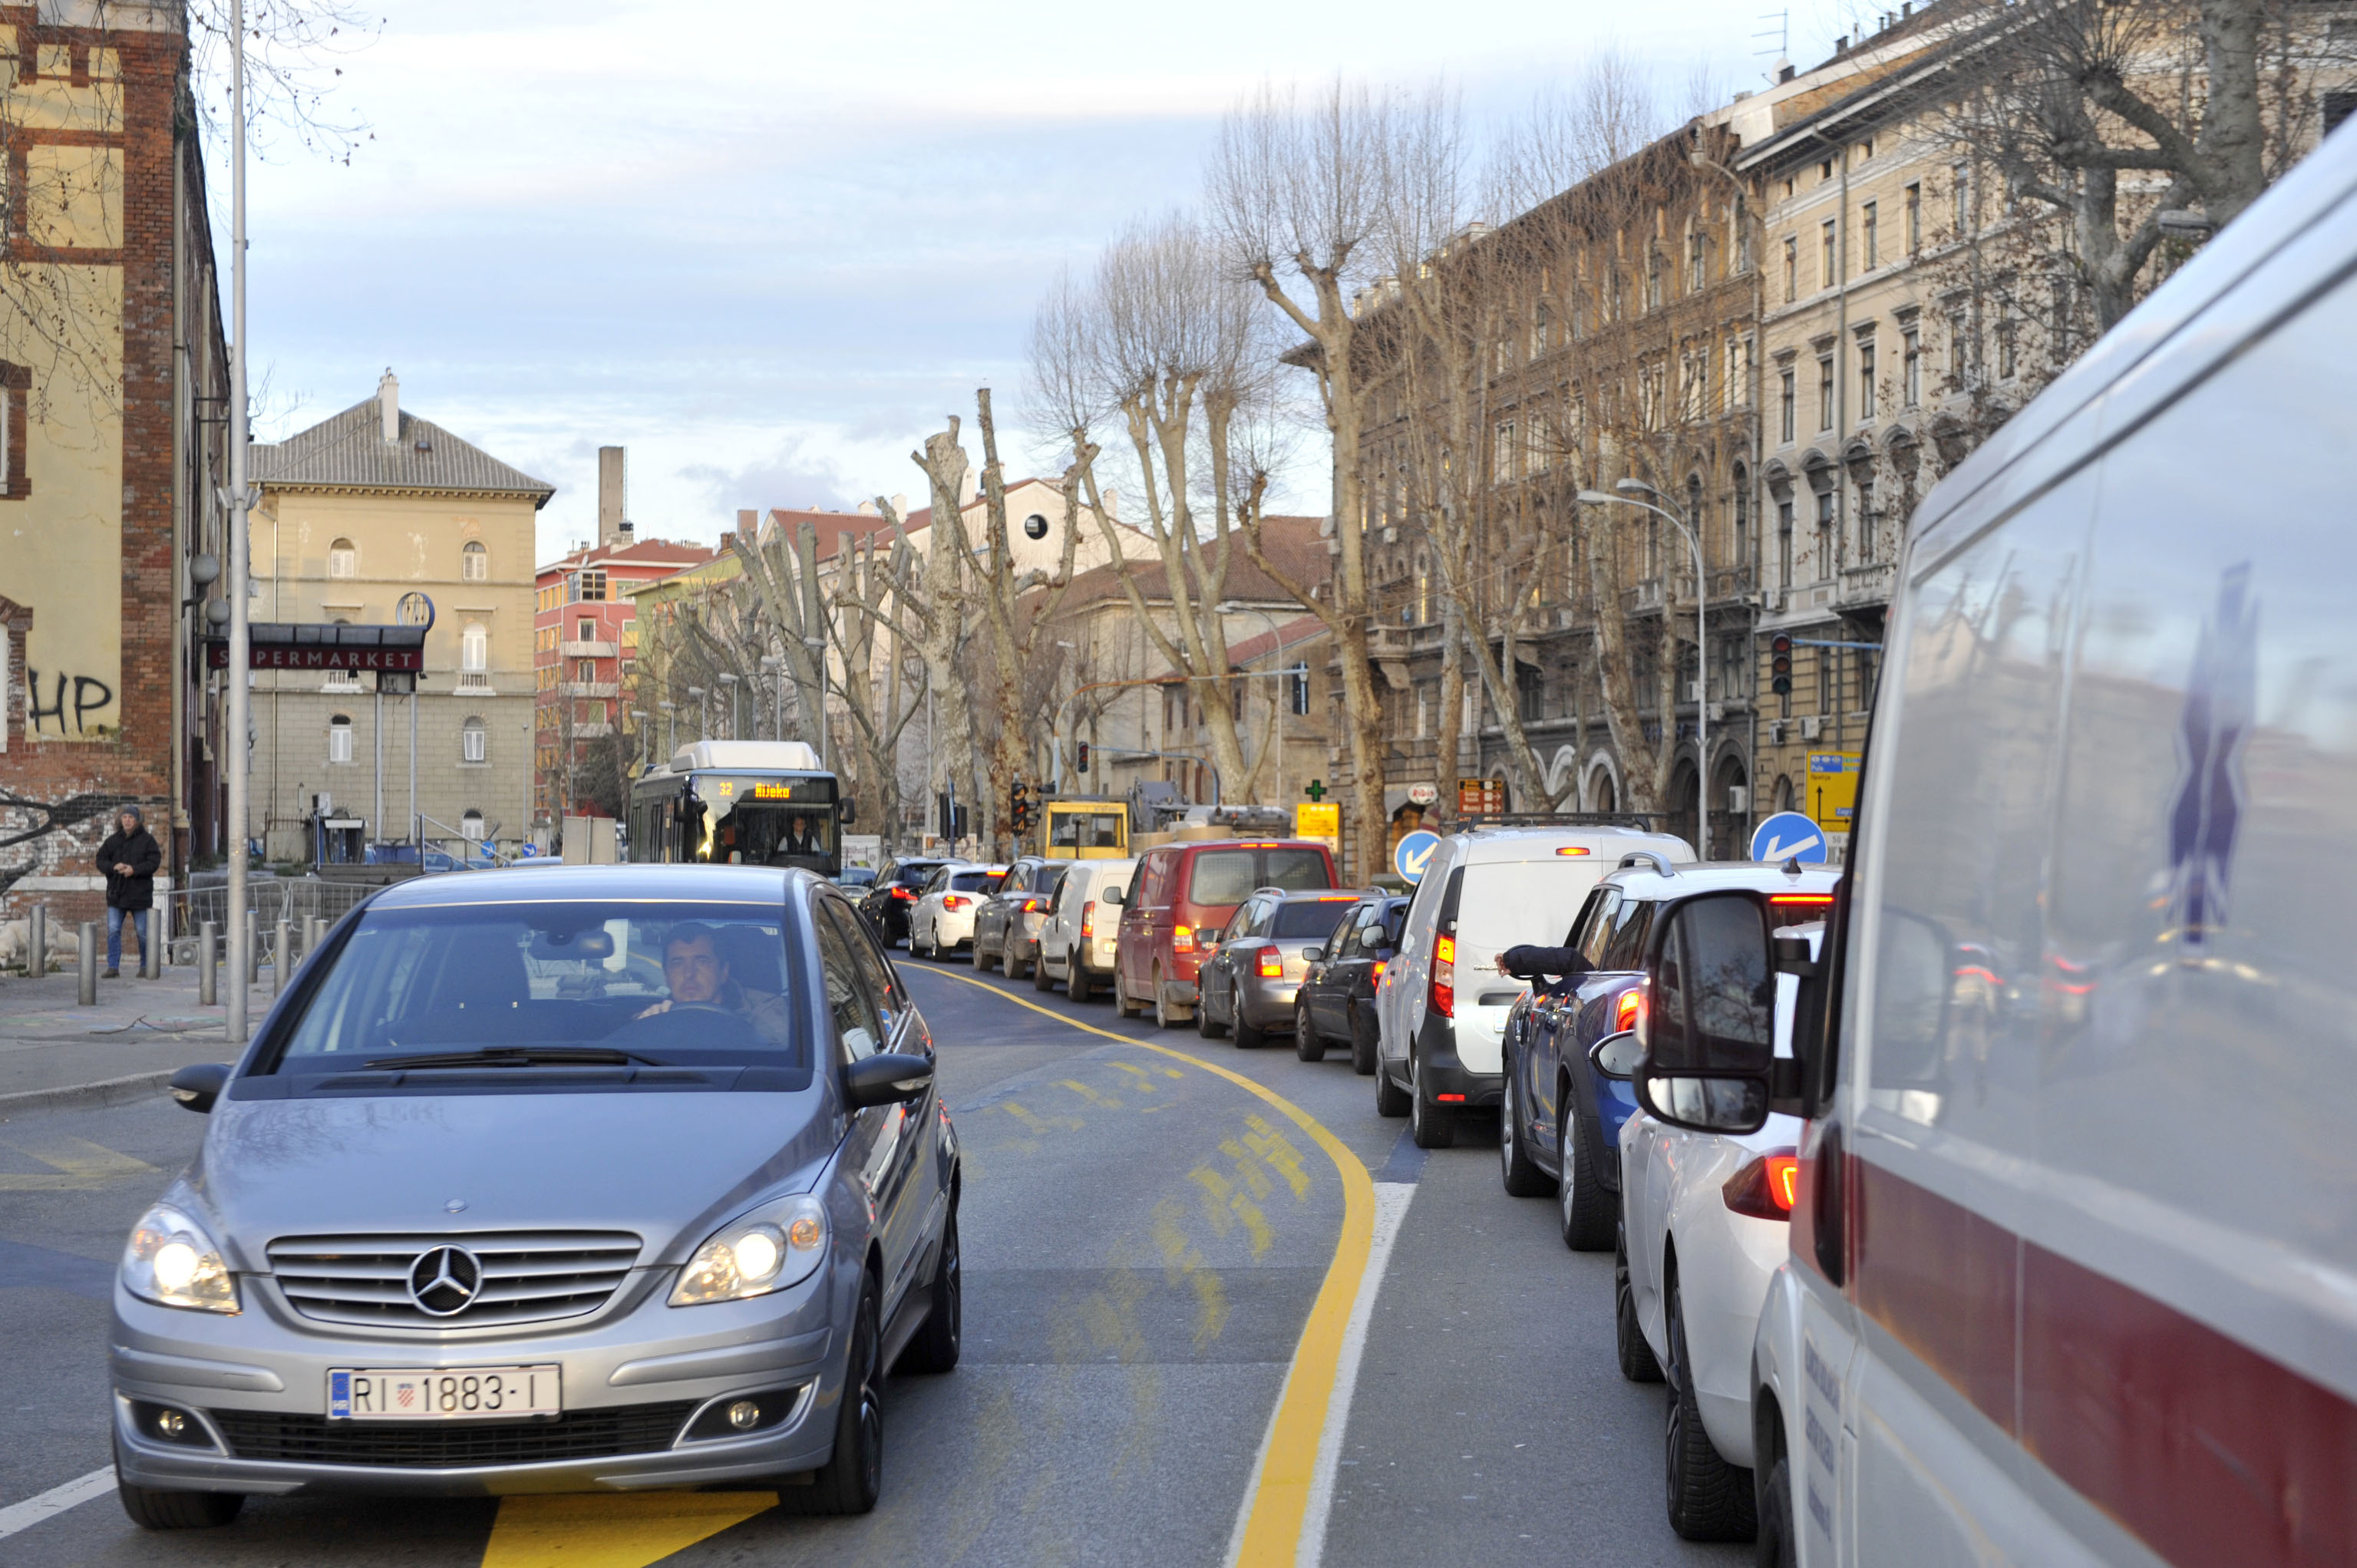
<point>1121,998</point>
<point>1637,1361</point>
<point>1363,1043</point>
<point>1250,1036</point>
<point>980,967</point>
<point>1523,1178</point>
<point>1205,1024</point>
<point>850,1481</point>
<point>151,1508</point>
<point>938,1339</point>
<point>1076,979</point>
<point>1709,1499</point>
<point>1041,979</point>
<point>1307,1043</point>
<point>1391,1100</point>
<point>1010,958</point>
<point>1430,1125</point>
<point>1167,1016</point>
<point>1588,1214</point>
<point>1780,1543</point>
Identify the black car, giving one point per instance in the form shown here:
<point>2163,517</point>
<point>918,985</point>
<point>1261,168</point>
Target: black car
<point>1007,927</point>
<point>898,887</point>
<point>1337,1001</point>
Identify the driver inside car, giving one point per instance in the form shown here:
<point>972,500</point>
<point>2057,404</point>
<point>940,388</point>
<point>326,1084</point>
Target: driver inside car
<point>697,975</point>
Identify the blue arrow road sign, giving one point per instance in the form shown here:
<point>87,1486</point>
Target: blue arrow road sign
<point>1415,853</point>
<point>1788,835</point>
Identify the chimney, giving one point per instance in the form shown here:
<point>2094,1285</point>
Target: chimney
<point>727,543</point>
<point>900,508</point>
<point>388,403</point>
<point>611,529</point>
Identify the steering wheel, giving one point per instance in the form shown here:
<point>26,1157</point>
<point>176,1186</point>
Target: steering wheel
<point>699,1007</point>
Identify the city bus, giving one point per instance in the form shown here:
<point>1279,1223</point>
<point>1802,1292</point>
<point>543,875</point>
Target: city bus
<point>741,802</point>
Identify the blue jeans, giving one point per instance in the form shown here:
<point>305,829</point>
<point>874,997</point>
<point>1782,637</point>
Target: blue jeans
<point>114,918</point>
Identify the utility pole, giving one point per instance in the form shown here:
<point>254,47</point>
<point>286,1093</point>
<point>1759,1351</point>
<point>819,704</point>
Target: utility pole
<point>241,567</point>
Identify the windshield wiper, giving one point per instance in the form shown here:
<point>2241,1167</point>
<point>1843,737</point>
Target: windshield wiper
<point>521,1056</point>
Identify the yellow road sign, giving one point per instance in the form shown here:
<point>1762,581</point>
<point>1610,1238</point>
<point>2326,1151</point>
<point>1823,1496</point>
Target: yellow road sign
<point>1314,819</point>
<point>1831,801</point>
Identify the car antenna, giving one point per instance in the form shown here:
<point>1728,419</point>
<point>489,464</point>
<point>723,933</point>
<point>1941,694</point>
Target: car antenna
<point>1792,866</point>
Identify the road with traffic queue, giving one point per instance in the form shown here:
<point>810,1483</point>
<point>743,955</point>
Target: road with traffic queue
<point>1156,1229</point>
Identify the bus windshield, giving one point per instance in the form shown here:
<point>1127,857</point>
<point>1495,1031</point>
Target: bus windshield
<point>749,820</point>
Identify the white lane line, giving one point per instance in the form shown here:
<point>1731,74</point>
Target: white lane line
<point>1391,1207</point>
<point>56,1500</point>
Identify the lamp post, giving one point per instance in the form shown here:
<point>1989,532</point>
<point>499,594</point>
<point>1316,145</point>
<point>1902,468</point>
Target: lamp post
<point>670,729</point>
<point>641,714</point>
<point>736,707</point>
<point>703,713</point>
<point>1629,490</point>
<point>240,748</point>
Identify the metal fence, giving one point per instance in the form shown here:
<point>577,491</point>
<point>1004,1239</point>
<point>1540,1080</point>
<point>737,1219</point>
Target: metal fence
<point>293,899</point>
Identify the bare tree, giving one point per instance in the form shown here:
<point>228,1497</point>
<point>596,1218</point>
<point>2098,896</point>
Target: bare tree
<point>949,743</point>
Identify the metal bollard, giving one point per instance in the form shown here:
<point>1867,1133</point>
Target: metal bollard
<point>209,964</point>
<point>36,941</point>
<point>314,932</point>
<point>151,946</point>
<point>253,948</point>
<point>278,956</point>
<point>89,940</point>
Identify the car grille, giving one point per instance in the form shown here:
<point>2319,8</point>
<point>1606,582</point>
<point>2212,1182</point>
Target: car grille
<point>527,1276</point>
<point>576,1434</point>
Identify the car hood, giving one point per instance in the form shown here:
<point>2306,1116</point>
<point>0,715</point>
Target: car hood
<point>666,1165</point>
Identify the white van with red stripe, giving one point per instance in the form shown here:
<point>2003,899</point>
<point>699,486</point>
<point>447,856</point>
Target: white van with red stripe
<point>2074,1276</point>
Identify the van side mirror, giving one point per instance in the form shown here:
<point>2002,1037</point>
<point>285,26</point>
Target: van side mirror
<point>1709,1030</point>
<point>847,809</point>
<point>1112,896</point>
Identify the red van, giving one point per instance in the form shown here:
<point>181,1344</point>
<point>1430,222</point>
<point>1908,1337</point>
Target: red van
<point>1183,890</point>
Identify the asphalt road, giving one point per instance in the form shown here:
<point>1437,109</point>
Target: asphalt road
<point>1146,1243</point>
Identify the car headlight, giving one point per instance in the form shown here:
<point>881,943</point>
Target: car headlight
<point>777,1245</point>
<point>171,1262</point>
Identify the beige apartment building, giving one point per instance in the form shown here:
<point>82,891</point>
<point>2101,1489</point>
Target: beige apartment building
<point>370,517</point>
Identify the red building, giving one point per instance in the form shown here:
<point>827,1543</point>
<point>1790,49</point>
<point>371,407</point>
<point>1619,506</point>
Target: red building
<point>583,644</point>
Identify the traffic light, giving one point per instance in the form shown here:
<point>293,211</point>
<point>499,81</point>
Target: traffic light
<point>1080,757</point>
<point>1780,664</point>
<point>1018,806</point>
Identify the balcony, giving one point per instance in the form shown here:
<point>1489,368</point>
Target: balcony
<point>1867,584</point>
<point>589,650</point>
<point>589,689</point>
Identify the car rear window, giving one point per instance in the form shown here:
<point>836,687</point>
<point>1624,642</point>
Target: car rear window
<point>1313,918</point>
<point>1229,875</point>
<point>911,874</point>
<point>1507,903</point>
<point>976,881</point>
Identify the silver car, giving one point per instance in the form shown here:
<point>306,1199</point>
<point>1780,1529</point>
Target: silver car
<point>591,1178</point>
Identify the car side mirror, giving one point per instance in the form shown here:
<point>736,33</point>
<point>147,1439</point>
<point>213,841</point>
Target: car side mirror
<point>196,1087</point>
<point>1709,1030</point>
<point>1616,1056</point>
<point>847,809</point>
<point>1111,895</point>
<point>1313,955</point>
<point>889,1078</point>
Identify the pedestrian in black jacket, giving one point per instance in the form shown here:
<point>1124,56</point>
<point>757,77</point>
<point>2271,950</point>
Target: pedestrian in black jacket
<point>130,857</point>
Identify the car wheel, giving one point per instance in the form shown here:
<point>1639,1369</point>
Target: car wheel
<point>1011,955</point>
<point>1431,1126</point>
<point>1041,979</point>
<point>1523,1178</point>
<point>1391,1100</point>
<point>981,966</point>
<point>151,1508</point>
<point>848,1483</point>
<point>1710,1499</point>
<point>1779,1544</point>
<point>1637,1363</point>
<point>1076,979</point>
<point>1307,1043</point>
<point>1588,1214</point>
<point>1166,1016</point>
<point>1363,1043</point>
<point>935,1347</point>
<point>1205,1026</point>
<point>1121,999</point>
<point>1250,1036</point>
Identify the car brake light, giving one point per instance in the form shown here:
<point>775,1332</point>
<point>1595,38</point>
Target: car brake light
<point>1183,939</point>
<point>1807,900</point>
<point>904,893</point>
<point>1573,849</point>
<point>1089,918</point>
<point>953,903</point>
<point>1765,1189</point>
<point>1444,976</point>
<point>1031,906</point>
<point>1272,965</point>
<point>1625,1011</point>
<point>1381,964</point>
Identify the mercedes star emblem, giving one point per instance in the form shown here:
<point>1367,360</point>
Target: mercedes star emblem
<point>443,1281</point>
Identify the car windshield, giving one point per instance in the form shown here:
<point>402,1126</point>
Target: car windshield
<point>670,983</point>
<point>1314,917</point>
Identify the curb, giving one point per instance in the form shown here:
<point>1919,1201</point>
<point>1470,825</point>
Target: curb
<point>84,1096</point>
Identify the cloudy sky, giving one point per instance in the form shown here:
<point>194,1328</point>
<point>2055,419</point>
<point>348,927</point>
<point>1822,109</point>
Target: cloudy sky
<point>767,246</point>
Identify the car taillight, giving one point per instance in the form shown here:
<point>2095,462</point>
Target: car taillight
<point>1380,965</point>
<point>1444,976</point>
<point>1031,905</point>
<point>1272,965</point>
<point>1765,1189</point>
<point>1625,1011</point>
<point>1183,939</point>
<point>904,893</point>
<point>953,903</point>
<point>1089,918</point>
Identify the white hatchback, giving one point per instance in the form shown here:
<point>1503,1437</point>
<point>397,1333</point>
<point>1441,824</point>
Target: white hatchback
<point>1077,941</point>
<point>942,919</point>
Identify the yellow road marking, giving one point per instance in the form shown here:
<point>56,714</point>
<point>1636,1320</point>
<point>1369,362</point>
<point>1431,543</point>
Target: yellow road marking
<point>612,1530</point>
<point>1278,1512</point>
<point>80,1164</point>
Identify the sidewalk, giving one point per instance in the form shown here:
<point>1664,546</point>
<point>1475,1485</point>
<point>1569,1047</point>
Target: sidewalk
<point>54,1053</point>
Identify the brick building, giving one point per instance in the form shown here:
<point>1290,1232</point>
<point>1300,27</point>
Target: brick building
<point>112,443</point>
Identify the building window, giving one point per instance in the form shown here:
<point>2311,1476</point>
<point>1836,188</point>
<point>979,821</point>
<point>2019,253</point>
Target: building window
<point>340,738</point>
<point>1960,343</point>
<point>1829,253</point>
<point>474,563</point>
<point>1866,381</point>
<point>1540,322</point>
<point>1824,535</point>
<point>589,587</point>
<point>471,824</point>
<point>585,670</point>
<point>1826,657</point>
<point>1866,523</point>
<point>1792,397</point>
<point>1825,391</point>
<point>1960,199</point>
<point>474,741</point>
<point>474,647</point>
<point>1502,459</point>
<point>1791,270</point>
<point>1910,371</point>
<point>2005,342</point>
<point>1694,262</point>
<point>1870,245</point>
<point>1783,545</point>
<point>1742,237</point>
<point>1915,218</point>
<point>343,560</point>
<point>1741,512</point>
<point>1653,279</point>
<point>586,631</point>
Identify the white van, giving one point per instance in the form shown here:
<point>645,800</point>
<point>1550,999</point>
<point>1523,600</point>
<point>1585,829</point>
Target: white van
<point>1077,940</point>
<point>2073,1269</point>
<point>1440,1009</point>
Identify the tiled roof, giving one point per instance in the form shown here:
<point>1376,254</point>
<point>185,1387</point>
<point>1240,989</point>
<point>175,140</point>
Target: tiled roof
<point>659,554</point>
<point>350,452</point>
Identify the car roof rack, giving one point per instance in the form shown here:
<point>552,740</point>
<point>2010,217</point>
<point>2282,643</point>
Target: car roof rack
<point>1638,822</point>
<point>1654,858</point>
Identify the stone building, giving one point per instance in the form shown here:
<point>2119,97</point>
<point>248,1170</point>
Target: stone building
<point>374,517</point>
<point>112,443</point>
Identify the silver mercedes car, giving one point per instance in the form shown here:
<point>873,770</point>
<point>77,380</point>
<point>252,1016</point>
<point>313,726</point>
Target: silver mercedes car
<point>593,1179</point>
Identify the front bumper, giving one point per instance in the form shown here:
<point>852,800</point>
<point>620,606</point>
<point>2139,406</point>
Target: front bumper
<point>634,1380</point>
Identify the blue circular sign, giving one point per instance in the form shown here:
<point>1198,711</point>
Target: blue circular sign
<point>1415,853</point>
<point>1788,835</point>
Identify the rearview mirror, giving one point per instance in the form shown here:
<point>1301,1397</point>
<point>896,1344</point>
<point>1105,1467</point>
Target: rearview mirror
<point>1710,1031</point>
<point>197,1085</point>
<point>1616,1056</point>
<point>887,1079</point>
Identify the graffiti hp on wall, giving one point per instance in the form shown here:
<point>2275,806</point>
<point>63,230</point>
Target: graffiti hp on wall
<point>72,706</point>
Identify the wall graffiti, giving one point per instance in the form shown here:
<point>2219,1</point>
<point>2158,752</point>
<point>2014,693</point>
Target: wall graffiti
<point>28,822</point>
<point>90,695</point>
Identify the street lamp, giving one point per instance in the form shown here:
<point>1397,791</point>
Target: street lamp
<point>703,713</point>
<point>736,708</point>
<point>671,730</point>
<point>1630,490</point>
<point>641,714</point>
